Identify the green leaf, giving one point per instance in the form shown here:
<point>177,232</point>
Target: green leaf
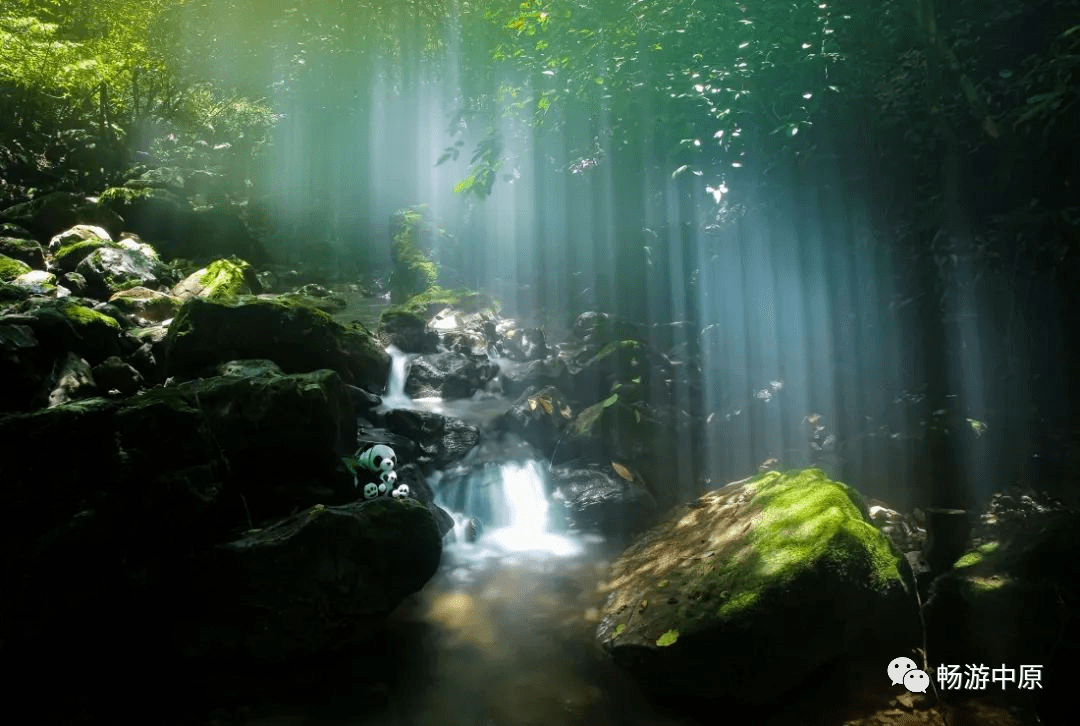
<point>667,638</point>
<point>610,400</point>
<point>619,628</point>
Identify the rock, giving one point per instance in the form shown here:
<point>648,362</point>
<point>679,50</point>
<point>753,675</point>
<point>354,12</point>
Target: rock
<point>442,440</point>
<point>75,282</point>
<point>66,324</point>
<point>448,375</point>
<point>317,297</point>
<point>100,538</point>
<point>108,269</point>
<point>220,281</point>
<point>296,337</point>
<point>538,417</point>
<point>602,500</point>
<point>251,369</point>
<point>12,268</point>
<point>113,374</point>
<point>146,305</point>
<point>412,243</point>
<point>71,247</point>
<point>37,282</point>
<point>73,380</point>
<point>24,250</point>
<point>315,583</point>
<point>526,344</point>
<point>782,575</point>
<point>517,377</point>
<point>408,331</point>
<point>1010,601</point>
<point>76,235</point>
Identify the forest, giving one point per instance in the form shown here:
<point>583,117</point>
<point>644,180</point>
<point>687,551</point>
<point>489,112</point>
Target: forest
<point>610,254</point>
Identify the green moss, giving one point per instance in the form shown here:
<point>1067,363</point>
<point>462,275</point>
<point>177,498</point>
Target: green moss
<point>414,271</point>
<point>123,195</point>
<point>69,256</point>
<point>668,638</point>
<point>425,303</point>
<point>224,280</point>
<point>806,521</point>
<point>10,268</point>
<point>82,315</point>
<point>977,555</point>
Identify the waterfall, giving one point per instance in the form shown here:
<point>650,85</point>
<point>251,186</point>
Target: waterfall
<point>510,502</point>
<point>395,388</point>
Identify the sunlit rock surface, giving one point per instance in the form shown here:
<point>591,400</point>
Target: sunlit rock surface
<point>296,337</point>
<point>752,588</point>
<point>317,582</point>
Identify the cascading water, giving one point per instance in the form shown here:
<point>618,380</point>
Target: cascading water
<point>395,388</point>
<point>510,502</point>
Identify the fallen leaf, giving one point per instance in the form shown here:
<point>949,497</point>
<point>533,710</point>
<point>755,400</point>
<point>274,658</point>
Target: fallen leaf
<point>533,404</point>
<point>566,413</point>
<point>622,471</point>
<point>546,403</point>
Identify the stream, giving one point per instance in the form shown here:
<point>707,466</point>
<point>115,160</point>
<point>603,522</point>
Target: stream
<point>504,633</point>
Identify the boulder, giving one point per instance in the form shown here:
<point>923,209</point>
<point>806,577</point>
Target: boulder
<point>314,583</point>
<point>1010,600</point>
<point>114,376</point>
<point>296,337</point>
<point>37,282</point>
<point>24,250</point>
<point>146,305</point>
<point>72,380</point>
<point>609,500</point>
<point>448,375</point>
<point>750,590</point>
<point>220,281</point>
<point>408,331</point>
<point>442,440</point>
<point>11,268</point>
<point>109,269</point>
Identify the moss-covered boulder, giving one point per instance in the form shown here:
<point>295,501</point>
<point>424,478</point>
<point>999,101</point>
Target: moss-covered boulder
<point>146,305</point>
<point>318,582</point>
<point>220,281</point>
<point>412,242</point>
<point>11,268</point>
<point>38,282</point>
<point>108,270</point>
<point>751,589</point>
<point>24,250</point>
<point>296,337</point>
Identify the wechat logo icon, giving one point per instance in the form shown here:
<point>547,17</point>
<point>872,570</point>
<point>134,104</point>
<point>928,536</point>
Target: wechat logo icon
<point>903,671</point>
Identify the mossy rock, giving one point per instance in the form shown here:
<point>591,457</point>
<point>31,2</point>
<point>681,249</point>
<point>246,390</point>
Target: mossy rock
<point>412,241</point>
<point>297,337</point>
<point>424,305</point>
<point>68,257</point>
<point>220,281</point>
<point>25,250</point>
<point>11,268</point>
<point>784,570</point>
